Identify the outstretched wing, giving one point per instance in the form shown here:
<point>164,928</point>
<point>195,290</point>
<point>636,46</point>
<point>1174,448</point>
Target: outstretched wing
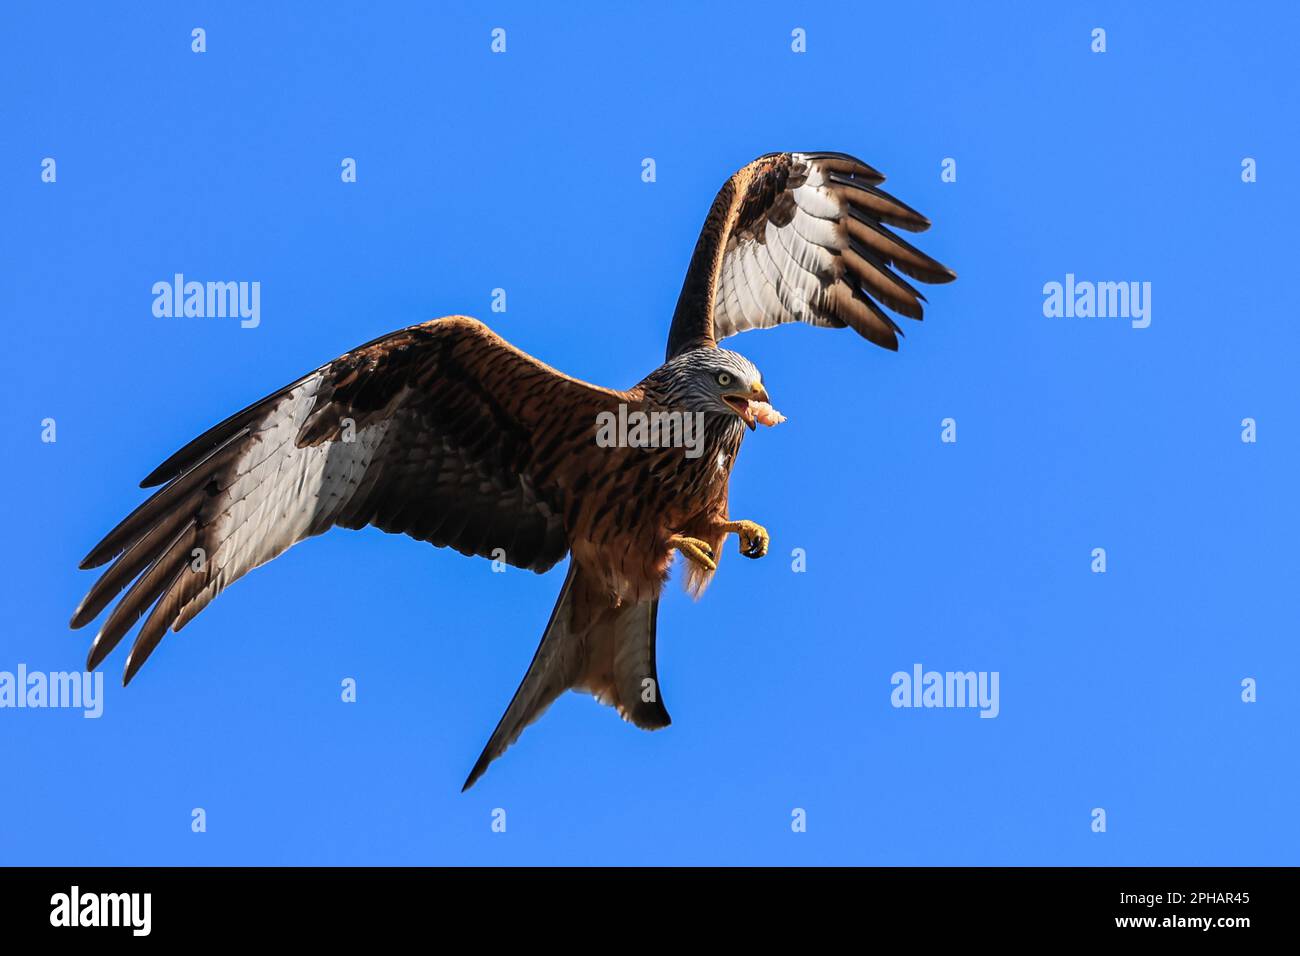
<point>442,431</point>
<point>802,237</point>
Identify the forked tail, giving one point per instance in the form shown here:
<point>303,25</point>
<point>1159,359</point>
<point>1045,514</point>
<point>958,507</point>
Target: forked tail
<point>587,646</point>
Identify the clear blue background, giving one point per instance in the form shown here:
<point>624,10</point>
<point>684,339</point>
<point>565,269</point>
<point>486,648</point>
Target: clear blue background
<point>522,171</point>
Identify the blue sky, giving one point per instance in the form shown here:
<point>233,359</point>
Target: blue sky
<point>521,171</point>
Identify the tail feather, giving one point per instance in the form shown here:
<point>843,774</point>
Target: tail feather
<point>588,646</point>
<point>635,679</point>
<point>553,670</point>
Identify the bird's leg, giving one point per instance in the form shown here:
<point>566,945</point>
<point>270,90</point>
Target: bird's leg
<point>693,549</point>
<point>753,537</point>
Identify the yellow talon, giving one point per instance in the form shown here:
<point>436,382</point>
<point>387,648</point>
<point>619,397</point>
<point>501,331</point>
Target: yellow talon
<point>754,538</point>
<point>694,550</point>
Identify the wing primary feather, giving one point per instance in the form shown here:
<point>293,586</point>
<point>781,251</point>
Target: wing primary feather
<point>154,627</point>
<point>139,521</point>
<point>844,163</point>
<point>215,437</point>
<point>865,298</point>
<point>141,596</point>
<point>886,207</point>
<point>882,283</point>
<point>863,316</point>
<point>905,256</point>
<point>905,287</point>
<point>130,563</point>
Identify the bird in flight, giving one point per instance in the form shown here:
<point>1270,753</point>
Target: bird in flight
<point>446,432</point>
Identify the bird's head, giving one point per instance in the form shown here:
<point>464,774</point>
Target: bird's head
<point>716,380</point>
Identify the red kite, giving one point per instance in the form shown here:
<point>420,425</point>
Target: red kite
<point>445,432</point>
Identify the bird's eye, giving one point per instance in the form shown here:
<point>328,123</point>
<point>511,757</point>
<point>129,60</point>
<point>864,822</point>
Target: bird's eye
<point>724,379</point>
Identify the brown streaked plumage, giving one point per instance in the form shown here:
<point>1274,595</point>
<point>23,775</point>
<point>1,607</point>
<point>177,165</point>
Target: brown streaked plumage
<point>445,432</point>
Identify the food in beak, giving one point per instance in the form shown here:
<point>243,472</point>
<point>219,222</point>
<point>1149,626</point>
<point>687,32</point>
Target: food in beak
<point>752,412</point>
<point>765,414</point>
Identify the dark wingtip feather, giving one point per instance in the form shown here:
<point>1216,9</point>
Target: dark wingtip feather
<point>221,434</point>
<point>133,665</point>
<point>186,486</point>
<point>884,206</point>
<point>936,274</point>
<point>97,557</point>
<point>144,645</point>
<point>204,446</point>
<point>891,247</point>
<point>99,649</point>
<point>843,163</point>
<point>480,766</point>
<point>168,470</point>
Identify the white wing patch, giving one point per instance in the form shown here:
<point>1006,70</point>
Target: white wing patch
<point>281,493</point>
<point>780,279</point>
<point>820,252</point>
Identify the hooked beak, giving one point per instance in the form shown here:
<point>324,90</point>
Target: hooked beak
<point>739,402</point>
